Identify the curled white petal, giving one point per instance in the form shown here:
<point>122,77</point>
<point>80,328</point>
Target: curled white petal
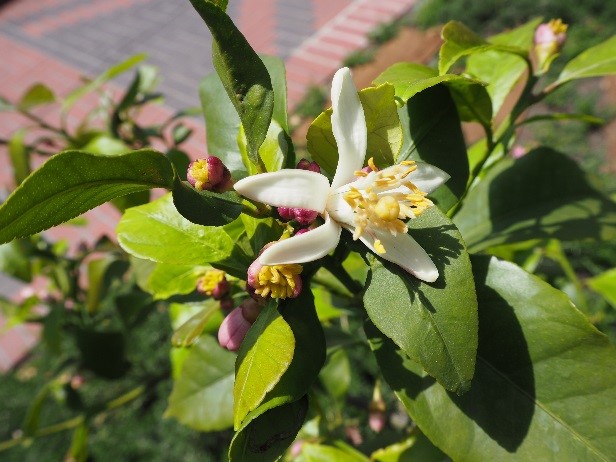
<point>305,247</point>
<point>405,252</point>
<point>348,126</point>
<point>287,188</point>
<point>428,177</point>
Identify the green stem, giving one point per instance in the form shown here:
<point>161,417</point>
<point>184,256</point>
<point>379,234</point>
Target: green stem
<point>45,125</point>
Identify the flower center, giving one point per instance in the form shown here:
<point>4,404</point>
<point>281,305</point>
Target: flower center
<point>200,172</point>
<point>277,281</point>
<point>210,281</point>
<point>387,199</point>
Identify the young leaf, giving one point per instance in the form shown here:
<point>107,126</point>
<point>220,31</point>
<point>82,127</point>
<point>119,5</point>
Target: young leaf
<point>383,124</point>
<point>594,62</point>
<point>535,392</point>
<point>156,231</point>
<point>37,95</point>
<point>243,74</point>
<point>264,356</point>
<point>72,182</point>
<point>605,284</point>
<point>167,280</point>
<point>265,437</point>
<point>554,200</point>
<point>201,397</point>
<point>435,324</point>
<point>19,155</point>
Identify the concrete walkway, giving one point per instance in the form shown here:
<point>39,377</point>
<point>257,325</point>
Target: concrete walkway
<point>57,41</point>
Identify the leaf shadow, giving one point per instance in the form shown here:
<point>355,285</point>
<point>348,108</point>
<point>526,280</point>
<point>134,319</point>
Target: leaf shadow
<point>502,395</point>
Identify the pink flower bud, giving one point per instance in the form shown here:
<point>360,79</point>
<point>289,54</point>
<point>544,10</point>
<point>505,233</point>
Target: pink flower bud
<point>376,416</point>
<point>305,164</point>
<point>302,231</point>
<point>302,216</point>
<point>237,323</point>
<point>226,304</point>
<point>518,151</point>
<point>549,39</point>
<point>209,174</point>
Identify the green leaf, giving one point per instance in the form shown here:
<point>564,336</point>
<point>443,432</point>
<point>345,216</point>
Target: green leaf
<point>19,155</point>
<point>189,331</point>
<point>382,122</point>
<point>15,260</point>
<point>37,95</point>
<point>156,231</point>
<point>589,119</point>
<point>72,182</point>
<point>323,453</point>
<point>268,435</point>
<point>595,62</point>
<point>273,151</point>
<point>243,74</point>
<point>264,356</point>
<point>435,324</point>
<point>502,70</point>
<point>201,397</point>
<point>554,200</point>
<point>168,280</point>
<point>308,354</point>
<point>460,41</point>
<point>275,68</point>
<point>336,374</point>
<point>544,384</point>
<point>110,73</point>
<point>605,284</point>
<point>206,208</point>
<point>415,448</point>
<point>433,135</point>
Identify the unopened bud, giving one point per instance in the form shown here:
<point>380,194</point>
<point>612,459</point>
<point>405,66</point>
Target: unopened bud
<point>376,416</point>
<point>549,40</point>
<point>305,164</point>
<point>209,174</point>
<point>302,216</point>
<point>235,326</point>
<point>226,304</point>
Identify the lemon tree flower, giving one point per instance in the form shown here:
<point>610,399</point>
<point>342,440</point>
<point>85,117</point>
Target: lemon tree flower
<point>372,205</point>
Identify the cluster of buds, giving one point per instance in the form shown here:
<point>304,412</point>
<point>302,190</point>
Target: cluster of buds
<point>303,217</point>
<point>549,40</point>
<point>209,174</point>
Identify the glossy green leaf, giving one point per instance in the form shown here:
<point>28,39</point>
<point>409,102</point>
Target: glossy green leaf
<point>435,324</point>
<point>544,385</point>
<point>167,280</point>
<point>605,284</point>
<point>202,396</point>
<point>107,145</point>
<point>187,334</point>
<point>594,62</point>
<point>460,41</point>
<point>432,134</point>
<point>275,68</point>
<point>272,152</point>
<point>156,231</point>
<point>499,69</point>
<point>308,353</point>
<point>206,208</point>
<point>243,74</point>
<point>264,356</point>
<point>414,448</point>
<point>110,73</point>
<point>266,437</point>
<point>323,453</point>
<point>542,195</point>
<point>72,182</point>
<point>382,122</point>
<point>37,95</point>
<point>15,260</point>
<point>19,155</point>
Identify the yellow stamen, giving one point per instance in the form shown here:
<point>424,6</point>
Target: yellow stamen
<point>372,165</point>
<point>199,171</point>
<point>379,247</point>
<point>279,281</point>
<point>210,281</point>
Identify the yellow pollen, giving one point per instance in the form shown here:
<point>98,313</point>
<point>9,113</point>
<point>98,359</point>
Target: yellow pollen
<point>558,26</point>
<point>210,281</point>
<point>199,172</point>
<point>372,165</point>
<point>279,281</point>
<point>387,208</point>
<point>379,247</point>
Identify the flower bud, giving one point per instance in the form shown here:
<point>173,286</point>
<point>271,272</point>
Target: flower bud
<point>226,304</point>
<point>376,416</point>
<point>303,216</point>
<point>549,40</point>
<point>236,325</point>
<point>276,281</point>
<point>209,174</point>
<point>305,164</point>
<point>214,284</point>
<point>518,151</point>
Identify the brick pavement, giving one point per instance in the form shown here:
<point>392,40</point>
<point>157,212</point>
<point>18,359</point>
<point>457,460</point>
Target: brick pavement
<point>57,41</point>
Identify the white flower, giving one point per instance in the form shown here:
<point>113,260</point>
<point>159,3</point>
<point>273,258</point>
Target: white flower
<point>370,205</point>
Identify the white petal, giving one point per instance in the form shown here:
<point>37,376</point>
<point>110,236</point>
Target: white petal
<point>405,252</point>
<point>287,188</point>
<point>306,247</point>
<point>428,177</point>
<point>339,209</point>
<point>349,127</point>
